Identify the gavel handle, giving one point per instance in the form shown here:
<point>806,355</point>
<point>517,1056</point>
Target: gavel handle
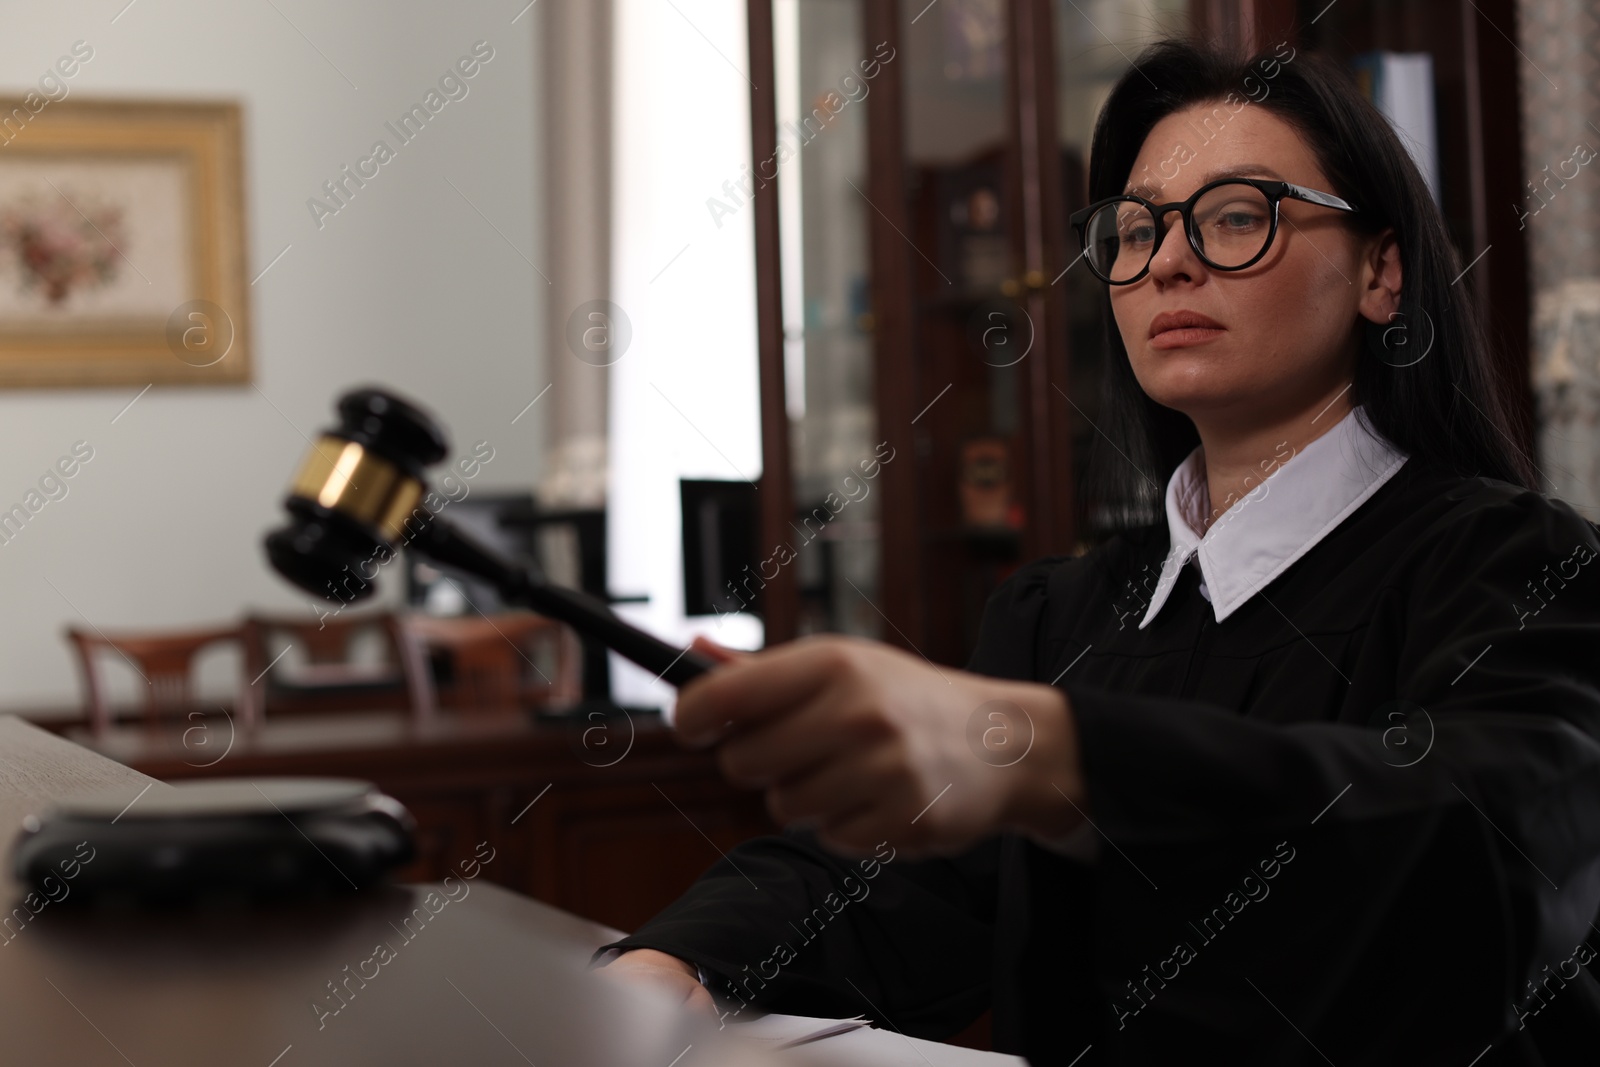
<point>444,543</point>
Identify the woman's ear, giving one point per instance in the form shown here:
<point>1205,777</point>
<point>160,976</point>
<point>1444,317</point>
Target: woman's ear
<point>1380,279</point>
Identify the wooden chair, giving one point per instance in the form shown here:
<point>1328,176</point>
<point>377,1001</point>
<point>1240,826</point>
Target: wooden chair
<point>165,661</point>
<point>328,679</point>
<point>491,661</point>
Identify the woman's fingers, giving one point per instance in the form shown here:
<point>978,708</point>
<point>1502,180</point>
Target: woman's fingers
<point>836,789</point>
<point>752,688</point>
<point>661,971</point>
<point>783,747</point>
<point>865,741</point>
<point>700,1000</point>
<point>714,651</point>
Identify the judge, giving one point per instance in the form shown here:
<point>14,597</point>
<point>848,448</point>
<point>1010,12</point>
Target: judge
<point>1300,766</point>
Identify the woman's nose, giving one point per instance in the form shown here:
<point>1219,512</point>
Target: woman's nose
<point>1174,258</point>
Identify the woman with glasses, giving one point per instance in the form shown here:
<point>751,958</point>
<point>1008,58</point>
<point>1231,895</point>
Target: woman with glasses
<point>1300,766</point>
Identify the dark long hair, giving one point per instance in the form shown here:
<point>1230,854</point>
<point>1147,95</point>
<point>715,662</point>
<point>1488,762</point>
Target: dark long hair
<point>1446,409</point>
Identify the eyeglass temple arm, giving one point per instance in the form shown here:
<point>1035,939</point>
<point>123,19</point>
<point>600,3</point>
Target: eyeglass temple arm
<point>1300,192</point>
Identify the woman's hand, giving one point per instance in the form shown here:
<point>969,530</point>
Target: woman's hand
<point>666,972</point>
<point>868,744</point>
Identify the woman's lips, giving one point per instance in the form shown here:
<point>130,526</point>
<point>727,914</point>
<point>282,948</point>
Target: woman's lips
<point>1184,336</point>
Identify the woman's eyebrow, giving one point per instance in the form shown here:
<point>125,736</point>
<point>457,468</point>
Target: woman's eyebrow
<point>1243,170</point>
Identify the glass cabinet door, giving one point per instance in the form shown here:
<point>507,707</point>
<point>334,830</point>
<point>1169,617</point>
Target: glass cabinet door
<point>825,70</point>
<point>941,350</point>
<point>1095,42</point>
<point>970,337</point>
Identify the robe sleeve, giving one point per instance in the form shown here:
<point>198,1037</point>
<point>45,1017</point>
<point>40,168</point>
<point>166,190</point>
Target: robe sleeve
<point>1438,866</point>
<point>783,925</point>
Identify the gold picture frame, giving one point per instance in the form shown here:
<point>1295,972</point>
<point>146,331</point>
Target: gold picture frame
<point>122,244</point>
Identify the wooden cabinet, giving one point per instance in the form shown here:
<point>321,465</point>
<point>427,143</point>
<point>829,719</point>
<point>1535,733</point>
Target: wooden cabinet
<point>623,853</point>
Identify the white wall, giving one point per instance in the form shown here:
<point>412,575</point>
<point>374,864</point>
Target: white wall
<point>407,286</point>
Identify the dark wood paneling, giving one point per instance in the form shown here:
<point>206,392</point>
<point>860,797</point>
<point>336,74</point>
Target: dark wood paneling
<point>1251,25</point>
<point>896,382</point>
<point>606,840</point>
<point>1495,166</point>
<point>1044,246</point>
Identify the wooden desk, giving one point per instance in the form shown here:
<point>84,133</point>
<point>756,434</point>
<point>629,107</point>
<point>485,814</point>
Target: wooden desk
<point>492,978</point>
<point>583,817</point>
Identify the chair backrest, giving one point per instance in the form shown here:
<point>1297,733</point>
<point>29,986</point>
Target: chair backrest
<point>325,640</point>
<point>330,678</point>
<point>163,660</point>
<point>492,661</point>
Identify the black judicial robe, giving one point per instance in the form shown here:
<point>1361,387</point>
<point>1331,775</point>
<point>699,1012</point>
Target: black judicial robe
<point>1288,871</point>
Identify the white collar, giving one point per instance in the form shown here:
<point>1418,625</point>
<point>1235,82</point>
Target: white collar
<point>1301,498</point>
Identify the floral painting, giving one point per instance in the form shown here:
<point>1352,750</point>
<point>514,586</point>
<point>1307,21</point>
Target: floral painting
<point>59,247</point>
<point>122,258</point>
<point>86,240</point>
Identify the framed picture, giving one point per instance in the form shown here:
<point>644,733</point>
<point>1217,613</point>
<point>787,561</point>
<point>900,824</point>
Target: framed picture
<point>122,254</point>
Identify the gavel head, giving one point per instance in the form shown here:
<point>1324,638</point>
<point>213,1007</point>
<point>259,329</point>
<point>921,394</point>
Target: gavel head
<point>357,496</point>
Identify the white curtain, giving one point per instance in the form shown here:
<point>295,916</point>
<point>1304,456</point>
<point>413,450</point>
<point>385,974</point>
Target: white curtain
<point>683,395</point>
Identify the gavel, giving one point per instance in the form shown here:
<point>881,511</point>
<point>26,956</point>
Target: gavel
<point>359,496</point>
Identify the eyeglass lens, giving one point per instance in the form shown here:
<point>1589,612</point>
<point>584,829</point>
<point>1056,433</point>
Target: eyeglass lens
<point>1232,223</point>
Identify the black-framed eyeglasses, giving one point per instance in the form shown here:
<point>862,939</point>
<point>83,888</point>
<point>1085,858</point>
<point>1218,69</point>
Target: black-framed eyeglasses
<point>1230,224</point>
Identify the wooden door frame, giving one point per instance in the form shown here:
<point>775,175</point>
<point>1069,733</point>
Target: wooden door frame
<point>899,562</point>
<point>895,379</point>
<point>1048,418</point>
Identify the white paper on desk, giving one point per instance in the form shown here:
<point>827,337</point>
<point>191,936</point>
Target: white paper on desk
<point>867,1046</point>
<point>778,1030</point>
